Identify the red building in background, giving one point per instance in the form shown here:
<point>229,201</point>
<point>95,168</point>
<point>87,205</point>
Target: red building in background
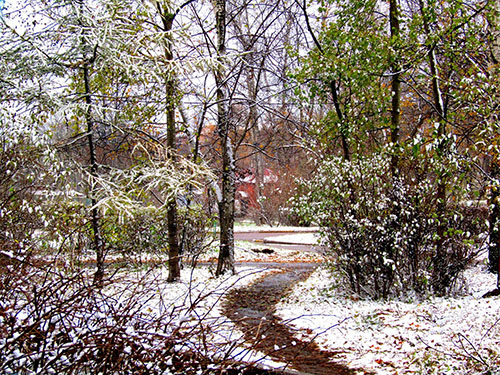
<point>246,189</point>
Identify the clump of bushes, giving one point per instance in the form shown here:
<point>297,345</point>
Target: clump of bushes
<point>28,174</point>
<point>55,322</point>
<point>141,235</point>
<point>388,234</point>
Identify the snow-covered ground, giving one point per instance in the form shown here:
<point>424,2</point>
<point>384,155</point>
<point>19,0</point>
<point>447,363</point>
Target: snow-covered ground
<point>249,228</point>
<point>197,298</point>
<point>436,336</point>
<point>459,335</point>
<point>138,307</point>
<point>296,238</point>
<point>246,251</point>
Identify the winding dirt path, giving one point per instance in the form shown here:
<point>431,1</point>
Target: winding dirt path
<point>253,308</point>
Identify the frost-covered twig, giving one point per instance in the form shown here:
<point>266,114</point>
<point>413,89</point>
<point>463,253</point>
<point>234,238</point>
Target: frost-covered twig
<point>475,355</point>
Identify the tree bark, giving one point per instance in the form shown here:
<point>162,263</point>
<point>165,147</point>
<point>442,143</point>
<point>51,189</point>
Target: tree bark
<point>494,199</point>
<point>226,204</point>
<point>343,127</point>
<point>97,241</point>
<point>495,27</point>
<point>255,134</point>
<point>174,246</point>
<point>494,221</point>
<point>439,266</point>
<point>396,85</point>
<point>96,237</point>
<point>174,268</point>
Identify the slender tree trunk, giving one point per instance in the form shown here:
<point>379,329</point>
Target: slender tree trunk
<point>255,135</point>
<point>174,269</point>
<point>196,160</point>
<point>343,126</point>
<point>494,199</point>
<point>97,241</point>
<point>495,28</point>
<point>439,266</point>
<point>226,204</point>
<point>396,85</point>
<point>494,221</point>
<point>394,138</point>
<point>342,122</point>
<point>175,247</point>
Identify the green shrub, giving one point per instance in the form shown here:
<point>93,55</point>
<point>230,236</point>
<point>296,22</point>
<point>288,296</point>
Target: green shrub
<point>145,232</point>
<point>382,231</point>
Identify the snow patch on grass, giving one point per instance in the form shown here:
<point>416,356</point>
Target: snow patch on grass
<point>197,296</point>
<point>296,238</point>
<point>249,228</point>
<point>458,335</point>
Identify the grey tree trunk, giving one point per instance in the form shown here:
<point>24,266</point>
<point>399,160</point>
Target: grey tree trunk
<point>174,268</point>
<point>97,241</point>
<point>396,84</point>
<point>96,236</point>
<point>438,263</point>
<point>226,203</point>
<point>494,199</point>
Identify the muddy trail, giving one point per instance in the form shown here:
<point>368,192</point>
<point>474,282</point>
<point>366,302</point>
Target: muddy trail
<point>253,308</point>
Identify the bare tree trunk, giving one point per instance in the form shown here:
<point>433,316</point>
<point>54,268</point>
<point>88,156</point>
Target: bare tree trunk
<point>226,204</point>
<point>174,246</point>
<point>394,136</point>
<point>396,84</point>
<point>174,268</point>
<point>439,266</point>
<point>494,199</point>
<point>494,222</point>
<point>343,126</point>
<point>495,26</point>
<point>342,121</point>
<point>97,241</point>
<point>255,135</point>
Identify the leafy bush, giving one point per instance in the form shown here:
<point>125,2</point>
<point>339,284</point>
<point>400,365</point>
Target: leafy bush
<point>195,225</point>
<point>382,231</point>
<point>145,232</point>
<point>29,172</point>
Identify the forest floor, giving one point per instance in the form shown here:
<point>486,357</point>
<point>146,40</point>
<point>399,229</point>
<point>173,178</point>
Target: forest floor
<point>289,294</point>
<point>253,309</point>
<point>455,335</point>
<point>435,335</point>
